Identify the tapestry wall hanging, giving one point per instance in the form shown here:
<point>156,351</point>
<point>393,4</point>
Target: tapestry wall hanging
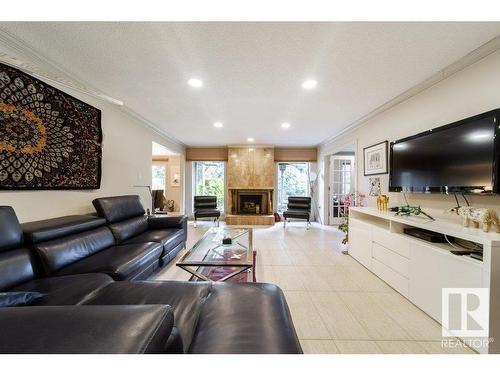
<point>48,139</point>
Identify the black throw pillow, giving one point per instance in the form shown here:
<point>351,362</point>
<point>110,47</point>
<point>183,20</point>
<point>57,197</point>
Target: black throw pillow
<point>12,299</point>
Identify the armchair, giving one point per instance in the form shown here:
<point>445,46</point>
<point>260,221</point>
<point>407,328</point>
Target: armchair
<point>298,208</point>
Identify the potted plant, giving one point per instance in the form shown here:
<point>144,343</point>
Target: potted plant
<point>347,200</point>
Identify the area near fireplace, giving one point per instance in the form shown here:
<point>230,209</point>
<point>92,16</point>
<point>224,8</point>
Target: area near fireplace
<point>250,172</point>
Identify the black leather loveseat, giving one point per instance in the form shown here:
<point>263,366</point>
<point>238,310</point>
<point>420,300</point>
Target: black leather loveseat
<point>90,312</point>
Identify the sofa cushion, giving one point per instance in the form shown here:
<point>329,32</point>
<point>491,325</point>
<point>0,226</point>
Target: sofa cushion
<point>205,201</point>
<point>186,298</point>
<point>64,251</point>
<point>85,329</point>
<point>12,235</point>
<point>129,228</point>
<point>119,208</point>
<point>207,213</point>
<point>247,318</point>
<point>120,262</point>
<point>296,214</point>
<point>46,230</point>
<point>16,267</point>
<point>66,290</point>
<point>168,238</point>
<point>12,299</point>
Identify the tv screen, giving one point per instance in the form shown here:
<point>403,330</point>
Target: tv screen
<point>460,157</point>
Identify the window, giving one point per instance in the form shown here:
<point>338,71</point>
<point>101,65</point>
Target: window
<point>209,180</point>
<point>159,173</point>
<point>293,181</point>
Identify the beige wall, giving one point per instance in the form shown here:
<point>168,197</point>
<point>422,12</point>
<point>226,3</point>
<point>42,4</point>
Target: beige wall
<point>172,192</point>
<point>471,91</point>
<point>127,148</point>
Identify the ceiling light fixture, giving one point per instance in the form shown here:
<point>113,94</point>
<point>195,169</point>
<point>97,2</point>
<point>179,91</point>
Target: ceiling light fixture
<point>195,82</point>
<point>250,139</point>
<point>218,124</point>
<point>285,125</point>
<point>309,84</point>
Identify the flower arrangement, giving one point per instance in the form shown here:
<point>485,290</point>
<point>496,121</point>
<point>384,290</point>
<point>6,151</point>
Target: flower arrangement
<point>355,199</point>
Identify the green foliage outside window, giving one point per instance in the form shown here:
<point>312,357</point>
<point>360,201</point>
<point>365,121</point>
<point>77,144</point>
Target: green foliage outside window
<point>209,180</point>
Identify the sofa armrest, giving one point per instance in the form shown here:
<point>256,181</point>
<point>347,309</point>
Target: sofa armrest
<point>166,222</point>
<point>85,329</point>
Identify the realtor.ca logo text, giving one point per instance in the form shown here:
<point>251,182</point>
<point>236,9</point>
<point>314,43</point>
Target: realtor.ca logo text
<point>465,314</point>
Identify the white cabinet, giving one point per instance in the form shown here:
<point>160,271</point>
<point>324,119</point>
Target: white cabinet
<point>391,259</point>
<point>360,242</point>
<point>432,269</point>
<point>393,241</point>
<point>419,270</point>
<point>391,277</point>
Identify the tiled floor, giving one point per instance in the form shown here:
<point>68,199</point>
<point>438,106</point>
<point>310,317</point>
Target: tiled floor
<point>337,305</point>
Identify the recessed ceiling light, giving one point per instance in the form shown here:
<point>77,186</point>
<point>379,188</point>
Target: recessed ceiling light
<point>195,82</point>
<point>285,125</point>
<point>309,84</point>
<point>218,124</point>
<point>250,139</point>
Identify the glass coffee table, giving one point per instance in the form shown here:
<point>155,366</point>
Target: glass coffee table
<point>211,260</point>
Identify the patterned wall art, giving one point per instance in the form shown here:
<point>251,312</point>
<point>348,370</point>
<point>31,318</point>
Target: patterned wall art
<point>374,186</point>
<point>48,139</point>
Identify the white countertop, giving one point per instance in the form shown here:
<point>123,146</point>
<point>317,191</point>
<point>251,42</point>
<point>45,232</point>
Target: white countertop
<point>441,225</point>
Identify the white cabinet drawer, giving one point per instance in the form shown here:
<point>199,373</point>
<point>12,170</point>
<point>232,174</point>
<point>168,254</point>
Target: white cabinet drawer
<point>391,259</point>
<point>393,241</point>
<point>391,277</point>
<point>432,269</point>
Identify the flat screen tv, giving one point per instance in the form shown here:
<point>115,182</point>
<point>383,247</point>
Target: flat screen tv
<point>462,157</point>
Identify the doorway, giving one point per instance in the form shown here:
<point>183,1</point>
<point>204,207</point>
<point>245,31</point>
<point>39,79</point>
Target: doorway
<point>166,179</point>
<point>342,182</point>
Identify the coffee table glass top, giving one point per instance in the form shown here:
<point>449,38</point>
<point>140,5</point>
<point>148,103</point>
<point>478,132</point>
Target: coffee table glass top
<point>209,250</point>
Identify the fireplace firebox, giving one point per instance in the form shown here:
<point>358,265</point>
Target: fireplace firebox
<point>251,202</point>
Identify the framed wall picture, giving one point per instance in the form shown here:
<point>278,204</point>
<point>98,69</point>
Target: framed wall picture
<point>175,176</point>
<point>375,159</point>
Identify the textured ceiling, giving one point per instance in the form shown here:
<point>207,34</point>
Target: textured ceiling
<point>253,71</point>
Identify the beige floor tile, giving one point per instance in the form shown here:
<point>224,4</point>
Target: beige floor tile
<point>377,323</point>
<point>401,347</point>
<point>288,278</point>
<point>313,278</point>
<point>266,274</point>
<point>418,324</point>
<point>367,281</point>
<point>273,258</point>
<point>306,319</point>
<point>339,279</point>
<point>339,320</point>
<point>319,347</point>
<point>357,347</point>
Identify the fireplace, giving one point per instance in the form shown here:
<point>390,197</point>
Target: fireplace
<point>251,202</point>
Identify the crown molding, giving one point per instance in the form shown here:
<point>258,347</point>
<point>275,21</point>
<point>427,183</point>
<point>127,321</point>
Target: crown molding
<point>472,57</point>
<point>33,62</point>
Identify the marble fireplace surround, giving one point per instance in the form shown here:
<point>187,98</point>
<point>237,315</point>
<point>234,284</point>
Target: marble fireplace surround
<point>250,173</point>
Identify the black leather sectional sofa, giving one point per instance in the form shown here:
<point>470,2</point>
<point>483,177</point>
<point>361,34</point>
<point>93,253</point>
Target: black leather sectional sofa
<point>92,271</point>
